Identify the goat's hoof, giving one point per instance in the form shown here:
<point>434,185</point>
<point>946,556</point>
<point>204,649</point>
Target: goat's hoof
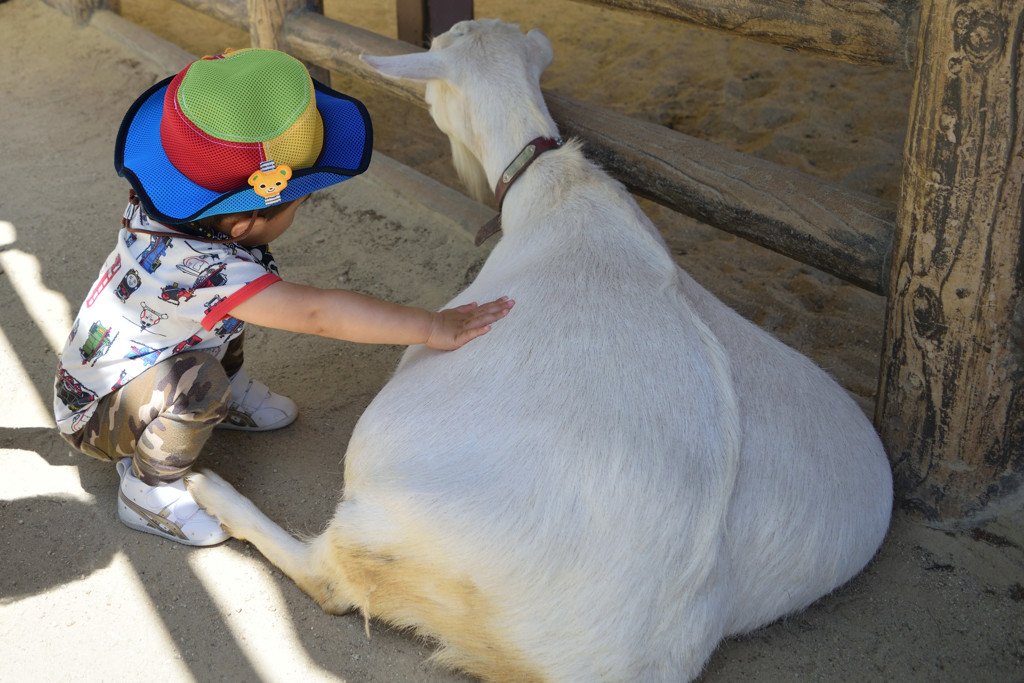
<point>210,491</point>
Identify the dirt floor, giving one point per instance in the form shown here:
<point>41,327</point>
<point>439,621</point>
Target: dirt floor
<point>84,598</point>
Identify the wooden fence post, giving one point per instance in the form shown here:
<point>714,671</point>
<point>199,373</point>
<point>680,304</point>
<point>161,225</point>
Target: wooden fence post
<point>951,389</point>
<point>266,17</point>
<point>421,20</point>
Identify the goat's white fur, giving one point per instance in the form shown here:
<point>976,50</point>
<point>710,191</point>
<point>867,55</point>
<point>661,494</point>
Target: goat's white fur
<point>621,473</point>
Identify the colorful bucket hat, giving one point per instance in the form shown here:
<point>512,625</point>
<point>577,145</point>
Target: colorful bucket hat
<point>236,132</point>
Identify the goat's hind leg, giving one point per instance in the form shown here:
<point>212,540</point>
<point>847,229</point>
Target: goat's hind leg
<point>308,564</point>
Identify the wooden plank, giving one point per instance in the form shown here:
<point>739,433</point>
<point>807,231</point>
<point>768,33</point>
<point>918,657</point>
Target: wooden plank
<point>951,394</point>
<point>337,46</point>
<point>81,11</point>
<point>60,5</point>
<point>859,31</point>
<point>466,214</point>
<point>845,233</point>
<point>166,56</point>
<point>232,12</point>
<point>841,232</point>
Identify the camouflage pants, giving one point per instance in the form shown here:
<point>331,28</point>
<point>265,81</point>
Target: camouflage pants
<point>163,417</point>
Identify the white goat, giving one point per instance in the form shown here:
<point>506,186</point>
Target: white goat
<point>622,473</point>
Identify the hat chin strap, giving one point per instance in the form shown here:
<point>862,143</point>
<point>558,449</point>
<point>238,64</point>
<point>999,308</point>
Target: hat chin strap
<point>134,199</point>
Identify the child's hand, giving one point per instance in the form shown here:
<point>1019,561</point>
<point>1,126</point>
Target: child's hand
<point>453,327</point>
<point>348,315</point>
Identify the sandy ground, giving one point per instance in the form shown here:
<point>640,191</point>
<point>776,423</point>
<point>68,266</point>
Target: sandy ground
<point>84,598</point>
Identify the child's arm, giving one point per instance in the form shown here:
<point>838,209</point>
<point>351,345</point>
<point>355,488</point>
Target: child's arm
<point>351,316</point>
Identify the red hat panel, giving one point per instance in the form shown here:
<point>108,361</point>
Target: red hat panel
<point>215,164</point>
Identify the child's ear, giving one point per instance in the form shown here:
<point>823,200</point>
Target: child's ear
<point>237,225</point>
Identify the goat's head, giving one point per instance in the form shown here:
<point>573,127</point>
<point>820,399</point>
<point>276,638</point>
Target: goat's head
<point>483,85</point>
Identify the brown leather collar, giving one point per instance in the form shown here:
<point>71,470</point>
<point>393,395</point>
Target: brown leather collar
<point>533,149</point>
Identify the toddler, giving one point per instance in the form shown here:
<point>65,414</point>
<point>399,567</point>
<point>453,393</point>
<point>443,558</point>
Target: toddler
<point>220,157</point>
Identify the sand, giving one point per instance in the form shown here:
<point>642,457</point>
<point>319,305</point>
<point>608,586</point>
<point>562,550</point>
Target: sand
<point>84,598</point>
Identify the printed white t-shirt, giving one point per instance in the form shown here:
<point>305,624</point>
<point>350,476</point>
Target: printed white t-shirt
<point>155,296</point>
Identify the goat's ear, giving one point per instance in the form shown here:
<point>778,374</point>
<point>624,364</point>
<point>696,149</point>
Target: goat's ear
<point>421,66</point>
<point>541,53</point>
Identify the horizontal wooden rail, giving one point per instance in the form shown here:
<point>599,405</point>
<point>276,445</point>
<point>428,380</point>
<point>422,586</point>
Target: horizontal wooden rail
<point>859,31</point>
<point>233,12</point>
<point>845,233</point>
<point>164,55</point>
<point>337,46</point>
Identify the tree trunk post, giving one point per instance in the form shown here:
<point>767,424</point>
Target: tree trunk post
<point>421,20</point>
<point>951,389</point>
<point>266,17</point>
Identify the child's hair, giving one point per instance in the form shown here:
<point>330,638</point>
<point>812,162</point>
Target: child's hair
<point>207,224</point>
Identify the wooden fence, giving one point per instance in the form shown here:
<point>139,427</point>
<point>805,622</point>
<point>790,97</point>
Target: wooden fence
<point>948,255</point>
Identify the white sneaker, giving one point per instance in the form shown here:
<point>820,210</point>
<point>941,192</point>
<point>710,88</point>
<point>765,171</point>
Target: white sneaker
<point>255,408</point>
<point>166,510</point>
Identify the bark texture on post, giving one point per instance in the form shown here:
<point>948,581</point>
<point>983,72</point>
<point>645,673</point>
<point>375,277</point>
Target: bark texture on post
<point>266,19</point>
<point>951,391</point>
